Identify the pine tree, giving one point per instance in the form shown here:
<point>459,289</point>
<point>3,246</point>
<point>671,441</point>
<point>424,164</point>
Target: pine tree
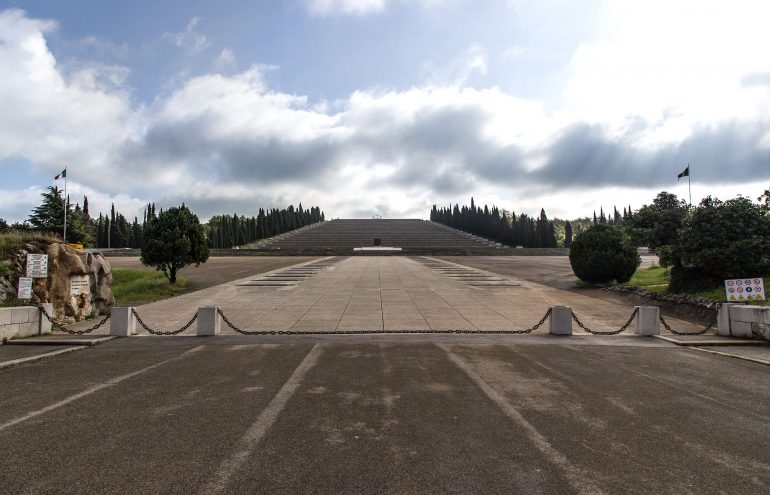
<point>567,235</point>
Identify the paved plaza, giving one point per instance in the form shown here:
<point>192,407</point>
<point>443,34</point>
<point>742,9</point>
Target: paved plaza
<point>384,293</point>
<point>385,413</point>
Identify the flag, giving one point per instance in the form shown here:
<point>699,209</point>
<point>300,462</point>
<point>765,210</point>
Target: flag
<point>63,173</point>
<point>684,173</point>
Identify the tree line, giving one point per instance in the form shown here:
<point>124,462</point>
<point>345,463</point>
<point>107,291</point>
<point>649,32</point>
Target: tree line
<point>522,230</point>
<point>115,230</point>
<point>224,231</point>
<point>498,225</point>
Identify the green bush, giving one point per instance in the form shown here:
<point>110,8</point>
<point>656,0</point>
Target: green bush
<point>721,240</point>
<point>602,254</point>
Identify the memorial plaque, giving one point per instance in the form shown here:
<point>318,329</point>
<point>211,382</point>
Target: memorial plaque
<point>79,285</point>
<point>37,265</point>
<point>25,288</point>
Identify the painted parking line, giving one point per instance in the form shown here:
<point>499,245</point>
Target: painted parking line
<point>574,475</point>
<point>254,434</point>
<point>91,390</point>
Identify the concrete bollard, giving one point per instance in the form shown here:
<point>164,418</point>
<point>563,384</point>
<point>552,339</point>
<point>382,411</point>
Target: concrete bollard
<point>45,325</point>
<point>723,319</point>
<point>122,322</point>
<point>208,321</point>
<point>560,322</point>
<point>648,320</point>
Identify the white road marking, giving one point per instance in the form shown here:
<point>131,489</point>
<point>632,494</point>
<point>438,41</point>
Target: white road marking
<point>575,476</point>
<point>91,390</point>
<point>254,434</point>
<point>8,364</point>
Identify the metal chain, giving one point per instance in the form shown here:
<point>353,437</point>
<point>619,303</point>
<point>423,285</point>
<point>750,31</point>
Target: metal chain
<point>613,332</point>
<point>59,326</point>
<point>375,332</point>
<point>668,327</point>
<point>160,332</point>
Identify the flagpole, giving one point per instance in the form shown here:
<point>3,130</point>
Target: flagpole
<point>689,184</point>
<point>65,205</point>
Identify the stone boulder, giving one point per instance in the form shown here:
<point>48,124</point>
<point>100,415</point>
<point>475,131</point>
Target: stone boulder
<point>78,283</point>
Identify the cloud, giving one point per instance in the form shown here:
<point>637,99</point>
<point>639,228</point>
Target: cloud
<point>585,156</point>
<point>189,39</point>
<point>344,7</point>
<point>52,119</point>
<point>232,143</point>
<point>226,59</point>
<point>457,72</point>
<point>327,8</point>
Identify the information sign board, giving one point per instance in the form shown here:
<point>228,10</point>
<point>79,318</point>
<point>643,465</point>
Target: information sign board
<point>25,288</point>
<point>745,289</point>
<point>37,265</point>
<point>79,285</point>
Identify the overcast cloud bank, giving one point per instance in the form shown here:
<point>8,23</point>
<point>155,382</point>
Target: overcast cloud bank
<point>232,143</point>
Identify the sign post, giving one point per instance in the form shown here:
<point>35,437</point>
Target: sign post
<point>745,289</point>
<point>37,265</point>
<point>25,288</point>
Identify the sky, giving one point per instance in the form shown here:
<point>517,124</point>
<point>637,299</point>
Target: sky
<point>382,107</point>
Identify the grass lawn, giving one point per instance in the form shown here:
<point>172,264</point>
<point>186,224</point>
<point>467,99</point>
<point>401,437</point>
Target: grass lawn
<point>143,286</point>
<point>654,280</point>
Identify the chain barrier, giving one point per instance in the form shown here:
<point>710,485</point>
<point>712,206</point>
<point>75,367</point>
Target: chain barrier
<point>374,332</point>
<point>701,332</point>
<point>160,332</point>
<point>59,326</point>
<point>612,332</point>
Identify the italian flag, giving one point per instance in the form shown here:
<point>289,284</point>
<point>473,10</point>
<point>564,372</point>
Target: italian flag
<point>684,173</point>
<point>63,173</point>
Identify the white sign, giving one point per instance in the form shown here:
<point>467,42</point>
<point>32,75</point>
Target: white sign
<point>25,288</point>
<point>745,289</point>
<point>79,285</point>
<point>37,265</point>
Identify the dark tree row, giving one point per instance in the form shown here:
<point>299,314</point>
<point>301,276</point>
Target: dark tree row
<point>498,225</point>
<point>114,230</point>
<point>225,231</point>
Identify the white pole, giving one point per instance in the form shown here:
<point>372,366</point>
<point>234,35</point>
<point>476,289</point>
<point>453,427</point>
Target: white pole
<point>689,185</point>
<point>66,200</point>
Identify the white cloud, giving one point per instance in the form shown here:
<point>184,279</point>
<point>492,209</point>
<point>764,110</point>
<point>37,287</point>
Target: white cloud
<point>189,39</point>
<point>232,143</point>
<point>325,8</point>
<point>469,62</point>
<point>675,64</point>
<point>54,120</point>
<point>226,59</point>
<point>344,7</point>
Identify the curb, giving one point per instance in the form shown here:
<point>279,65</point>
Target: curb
<point>68,342</point>
<point>744,358</point>
<point>14,362</point>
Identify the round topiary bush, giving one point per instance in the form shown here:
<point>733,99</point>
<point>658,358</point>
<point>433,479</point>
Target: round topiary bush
<point>602,254</point>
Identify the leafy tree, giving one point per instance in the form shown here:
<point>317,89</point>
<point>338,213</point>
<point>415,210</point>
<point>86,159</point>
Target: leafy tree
<point>49,217</point>
<point>602,254</point>
<point>173,241</point>
<point>657,225</point>
<point>721,240</point>
<point>765,200</point>
<point>3,225</point>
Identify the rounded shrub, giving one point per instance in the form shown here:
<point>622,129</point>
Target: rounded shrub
<point>602,254</point>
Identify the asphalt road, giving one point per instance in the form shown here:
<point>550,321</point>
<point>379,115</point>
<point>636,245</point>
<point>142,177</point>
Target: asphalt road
<point>447,414</point>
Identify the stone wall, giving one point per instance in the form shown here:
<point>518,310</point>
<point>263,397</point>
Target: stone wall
<point>739,320</point>
<point>25,321</point>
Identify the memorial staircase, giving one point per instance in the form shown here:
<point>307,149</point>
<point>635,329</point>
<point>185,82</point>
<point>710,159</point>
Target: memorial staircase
<point>378,237</point>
